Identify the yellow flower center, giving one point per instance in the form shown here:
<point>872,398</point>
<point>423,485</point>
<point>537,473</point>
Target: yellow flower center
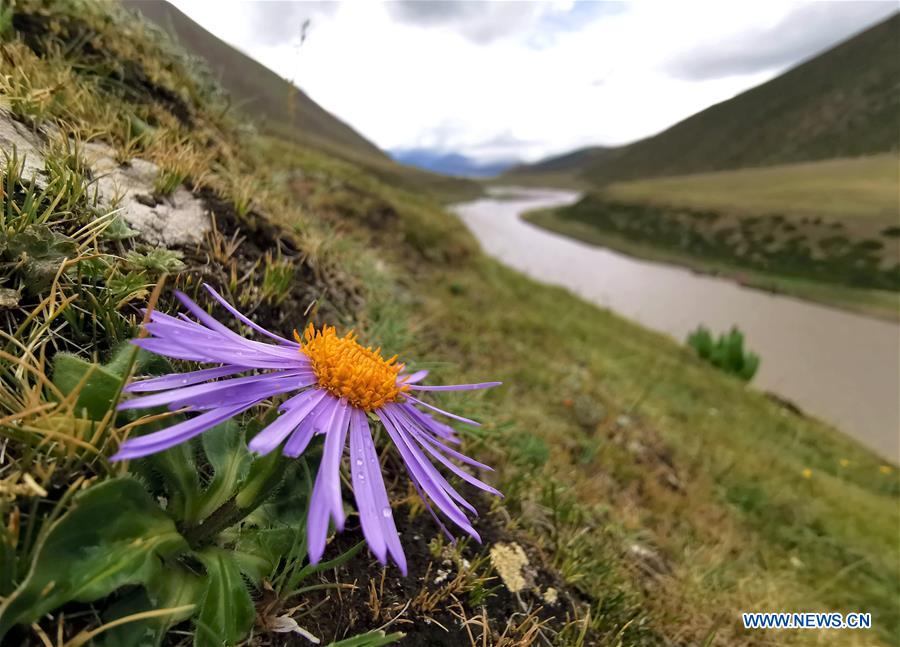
<point>347,370</point>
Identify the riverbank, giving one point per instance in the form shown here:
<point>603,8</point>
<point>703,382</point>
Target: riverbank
<point>715,497</point>
<point>882,304</point>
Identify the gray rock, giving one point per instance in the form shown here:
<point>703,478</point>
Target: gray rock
<point>26,144</point>
<point>177,220</point>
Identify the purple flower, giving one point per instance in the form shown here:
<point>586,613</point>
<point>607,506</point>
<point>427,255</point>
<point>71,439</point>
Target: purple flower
<point>336,386</point>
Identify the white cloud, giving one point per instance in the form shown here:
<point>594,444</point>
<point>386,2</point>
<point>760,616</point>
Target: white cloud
<point>525,79</point>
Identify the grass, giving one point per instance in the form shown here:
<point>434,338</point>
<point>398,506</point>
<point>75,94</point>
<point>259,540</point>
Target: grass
<point>884,304</point>
<point>680,459</point>
<point>658,496</point>
<point>823,231</point>
<point>838,189</point>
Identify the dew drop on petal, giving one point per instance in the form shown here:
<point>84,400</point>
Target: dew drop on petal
<point>386,511</point>
<point>359,462</point>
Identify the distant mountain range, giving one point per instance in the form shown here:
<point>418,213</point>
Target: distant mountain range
<point>449,163</point>
<point>843,102</point>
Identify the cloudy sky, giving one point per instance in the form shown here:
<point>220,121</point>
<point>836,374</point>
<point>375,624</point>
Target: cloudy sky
<point>498,80</point>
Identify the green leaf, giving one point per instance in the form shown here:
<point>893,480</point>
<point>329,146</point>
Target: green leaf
<point>178,470</point>
<point>8,562</point>
<point>41,252</point>
<point>226,611</point>
<point>97,392</point>
<point>171,587</point>
<point>114,535</point>
<point>371,639</point>
<point>230,460</point>
<point>259,550</point>
<point>118,229</point>
<point>155,259</point>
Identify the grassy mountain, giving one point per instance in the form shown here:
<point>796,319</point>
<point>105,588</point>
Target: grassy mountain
<point>841,103</point>
<point>255,87</point>
<point>283,110</point>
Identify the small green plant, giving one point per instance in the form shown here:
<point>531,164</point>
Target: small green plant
<point>726,353</point>
<point>157,260</point>
<point>278,277</point>
<point>168,181</point>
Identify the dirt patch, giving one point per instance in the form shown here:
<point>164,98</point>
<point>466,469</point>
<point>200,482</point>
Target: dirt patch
<point>318,291</point>
<point>431,605</point>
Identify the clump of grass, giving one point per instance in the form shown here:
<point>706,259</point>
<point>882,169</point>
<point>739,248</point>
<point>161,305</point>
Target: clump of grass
<point>725,353</point>
<point>278,278</point>
<point>167,181</point>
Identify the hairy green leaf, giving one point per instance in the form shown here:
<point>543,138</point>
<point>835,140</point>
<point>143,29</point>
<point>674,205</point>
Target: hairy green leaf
<point>113,535</point>
<point>226,610</point>
<point>230,460</point>
<point>97,387</point>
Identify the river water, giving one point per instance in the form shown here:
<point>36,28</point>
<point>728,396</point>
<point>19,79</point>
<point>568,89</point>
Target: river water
<point>841,367</point>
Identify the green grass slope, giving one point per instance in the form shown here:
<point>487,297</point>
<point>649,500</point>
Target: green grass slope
<point>841,103</point>
<point>826,231</point>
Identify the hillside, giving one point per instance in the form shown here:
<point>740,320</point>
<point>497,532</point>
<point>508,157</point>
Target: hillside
<point>841,103</point>
<point>282,110</point>
<point>257,89</point>
<point>824,231</point>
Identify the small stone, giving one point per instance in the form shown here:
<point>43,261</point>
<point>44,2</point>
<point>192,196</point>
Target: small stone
<point>9,298</point>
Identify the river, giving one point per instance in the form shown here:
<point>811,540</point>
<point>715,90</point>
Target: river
<point>841,367</point>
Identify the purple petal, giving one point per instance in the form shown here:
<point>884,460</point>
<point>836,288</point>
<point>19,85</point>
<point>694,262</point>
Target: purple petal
<point>186,345</point>
<point>243,319</point>
<point>176,434</point>
<point>375,514</point>
<point>418,376</point>
<point>174,380</point>
<point>235,395</point>
<point>404,424</point>
<point>436,427</point>
<point>203,316</point>
<point>299,440</point>
<point>364,485</point>
<point>227,387</point>
<point>457,387</point>
<point>296,409</point>
<point>424,474</point>
<point>326,494</point>
<point>442,412</point>
<point>426,443</point>
<point>316,422</point>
